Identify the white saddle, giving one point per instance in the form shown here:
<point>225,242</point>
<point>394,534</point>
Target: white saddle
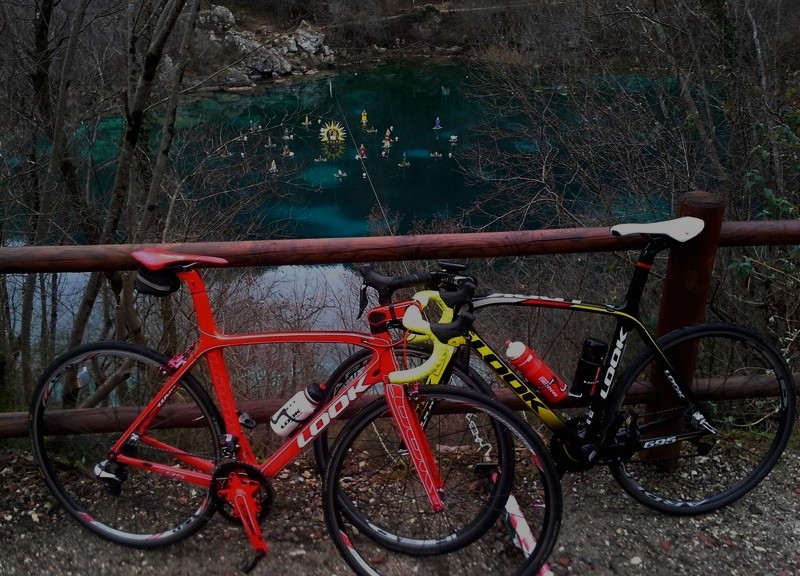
<point>679,229</point>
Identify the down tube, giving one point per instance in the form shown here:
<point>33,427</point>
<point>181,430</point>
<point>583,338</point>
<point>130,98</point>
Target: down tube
<point>527,393</point>
<point>382,362</point>
<point>626,324</point>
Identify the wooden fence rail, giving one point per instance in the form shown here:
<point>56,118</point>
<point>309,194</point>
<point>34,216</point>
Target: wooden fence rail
<point>377,249</point>
<point>101,420</point>
<point>689,268</point>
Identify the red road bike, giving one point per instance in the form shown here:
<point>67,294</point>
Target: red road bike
<point>141,452</point>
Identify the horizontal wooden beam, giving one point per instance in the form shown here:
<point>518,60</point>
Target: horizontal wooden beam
<point>15,424</point>
<point>377,249</point>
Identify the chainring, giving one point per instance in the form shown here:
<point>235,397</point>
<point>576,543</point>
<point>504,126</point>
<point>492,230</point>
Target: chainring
<point>248,475</point>
<point>568,456</point>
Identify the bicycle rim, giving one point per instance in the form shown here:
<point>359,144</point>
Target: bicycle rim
<point>746,389</point>
<point>501,516</point>
<point>82,403</point>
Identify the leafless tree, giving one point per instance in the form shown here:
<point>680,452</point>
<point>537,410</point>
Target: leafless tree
<point>617,111</point>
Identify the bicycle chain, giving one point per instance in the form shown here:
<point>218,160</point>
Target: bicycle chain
<point>219,474</point>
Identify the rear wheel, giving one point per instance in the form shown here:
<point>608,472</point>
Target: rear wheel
<point>745,389</point>
<point>82,403</point>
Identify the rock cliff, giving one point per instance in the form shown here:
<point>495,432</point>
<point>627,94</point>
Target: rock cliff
<point>238,57</point>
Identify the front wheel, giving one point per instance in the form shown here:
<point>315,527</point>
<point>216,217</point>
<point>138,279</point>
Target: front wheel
<point>501,492</point>
<point>82,404</point>
<point>746,391</point>
<point>353,367</point>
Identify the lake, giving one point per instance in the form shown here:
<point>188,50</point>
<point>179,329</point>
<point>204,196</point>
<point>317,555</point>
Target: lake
<point>331,190</point>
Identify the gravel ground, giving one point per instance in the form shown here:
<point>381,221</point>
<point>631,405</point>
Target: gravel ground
<point>603,532</point>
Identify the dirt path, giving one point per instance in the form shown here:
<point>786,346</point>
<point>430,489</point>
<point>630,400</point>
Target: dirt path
<point>604,532</point>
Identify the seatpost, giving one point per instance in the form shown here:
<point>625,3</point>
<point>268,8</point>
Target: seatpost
<point>641,272</point>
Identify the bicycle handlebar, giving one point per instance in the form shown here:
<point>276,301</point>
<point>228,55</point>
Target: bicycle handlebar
<point>385,286</point>
<point>449,291</point>
<point>455,290</point>
<point>444,336</point>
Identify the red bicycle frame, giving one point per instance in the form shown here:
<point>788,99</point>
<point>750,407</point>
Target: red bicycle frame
<point>210,345</point>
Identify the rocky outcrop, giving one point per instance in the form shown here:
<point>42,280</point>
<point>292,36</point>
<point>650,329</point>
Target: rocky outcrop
<point>256,55</point>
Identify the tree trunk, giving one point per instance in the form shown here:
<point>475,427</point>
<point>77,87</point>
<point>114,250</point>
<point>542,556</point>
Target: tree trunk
<point>146,219</point>
<point>136,104</point>
<point>40,82</point>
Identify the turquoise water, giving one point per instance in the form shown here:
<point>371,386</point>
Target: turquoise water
<point>405,99</point>
<point>229,152</point>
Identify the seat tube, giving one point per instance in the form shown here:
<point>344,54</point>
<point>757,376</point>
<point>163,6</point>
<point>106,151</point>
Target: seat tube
<point>415,441</point>
<point>200,300</point>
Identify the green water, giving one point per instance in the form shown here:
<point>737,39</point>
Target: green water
<point>405,98</point>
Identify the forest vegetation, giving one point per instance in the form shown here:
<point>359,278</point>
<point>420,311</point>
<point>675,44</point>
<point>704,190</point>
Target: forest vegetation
<point>722,113</point>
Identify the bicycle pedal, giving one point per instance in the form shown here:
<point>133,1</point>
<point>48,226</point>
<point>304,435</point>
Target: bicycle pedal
<point>248,565</point>
<point>246,421</point>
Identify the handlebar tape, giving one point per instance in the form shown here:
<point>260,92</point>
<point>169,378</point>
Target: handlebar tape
<point>387,285</point>
<point>456,298</point>
<point>444,336</point>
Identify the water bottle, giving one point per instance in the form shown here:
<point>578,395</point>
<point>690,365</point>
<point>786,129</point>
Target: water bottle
<point>297,409</point>
<point>536,372</point>
<point>588,369</point>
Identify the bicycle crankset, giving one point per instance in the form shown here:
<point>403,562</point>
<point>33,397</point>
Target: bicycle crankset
<point>568,456</point>
<point>229,477</point>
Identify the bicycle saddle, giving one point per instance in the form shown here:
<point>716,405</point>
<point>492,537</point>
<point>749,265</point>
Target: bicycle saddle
<point>679,229</point>
<point>158,258</point>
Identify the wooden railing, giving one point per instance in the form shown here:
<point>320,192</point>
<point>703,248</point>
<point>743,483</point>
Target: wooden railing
<point>688,271</point>
<point>378,249</point>
<point>77,421</point>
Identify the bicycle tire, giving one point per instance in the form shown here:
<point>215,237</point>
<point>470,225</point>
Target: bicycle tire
<point>355,363</point>
<point>735,376</point>
<point>380,519</point>
<point>137,508</point>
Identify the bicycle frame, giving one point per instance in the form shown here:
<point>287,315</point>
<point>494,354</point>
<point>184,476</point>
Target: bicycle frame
<point>599,421</point>
<point>210,345</point>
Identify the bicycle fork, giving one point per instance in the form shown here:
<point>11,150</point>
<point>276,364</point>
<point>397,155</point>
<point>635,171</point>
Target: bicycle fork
<point>415,441</point>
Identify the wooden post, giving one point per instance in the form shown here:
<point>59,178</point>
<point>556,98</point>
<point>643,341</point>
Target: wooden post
<point>690,266</point>
<point>683,300</point>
